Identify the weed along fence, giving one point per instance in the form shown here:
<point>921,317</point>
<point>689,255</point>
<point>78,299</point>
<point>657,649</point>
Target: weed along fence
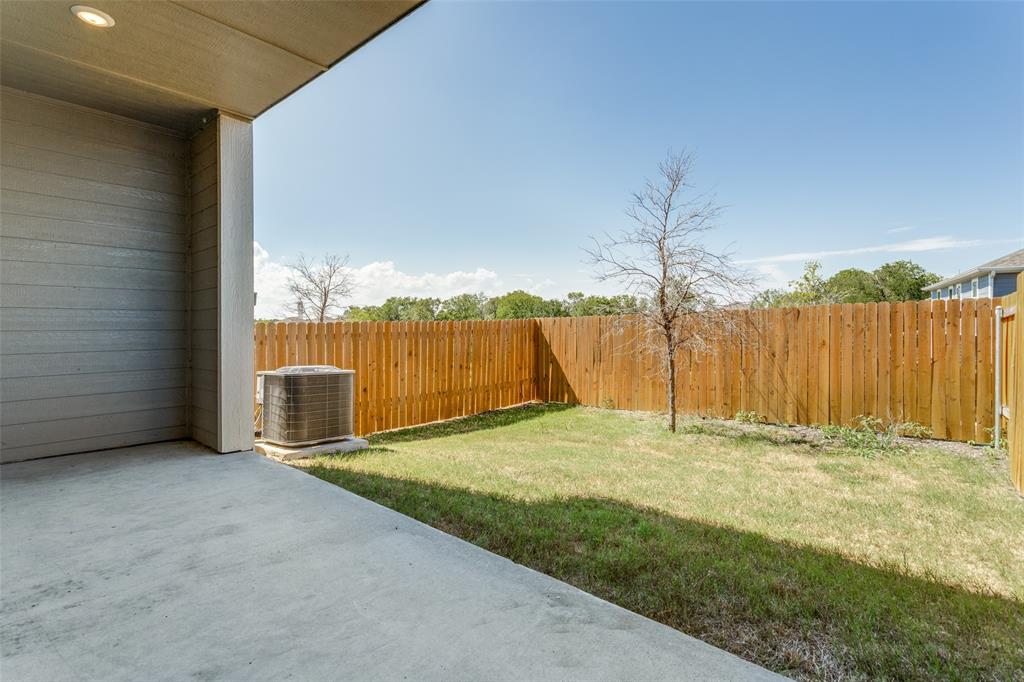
<point>928,362</point>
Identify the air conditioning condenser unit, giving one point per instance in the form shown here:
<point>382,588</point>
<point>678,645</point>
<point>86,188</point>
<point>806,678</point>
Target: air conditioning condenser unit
<point>303,405</point>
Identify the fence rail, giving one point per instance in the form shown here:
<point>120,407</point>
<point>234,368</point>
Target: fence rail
<point>929,362</point>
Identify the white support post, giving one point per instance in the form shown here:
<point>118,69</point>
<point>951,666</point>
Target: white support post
<point>235,309</point>
<point>999,377</point>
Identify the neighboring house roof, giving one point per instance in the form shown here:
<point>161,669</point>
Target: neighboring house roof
<point>1011,262</point>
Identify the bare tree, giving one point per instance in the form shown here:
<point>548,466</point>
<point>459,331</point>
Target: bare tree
<point>684,288</point>
<point>319,287</point>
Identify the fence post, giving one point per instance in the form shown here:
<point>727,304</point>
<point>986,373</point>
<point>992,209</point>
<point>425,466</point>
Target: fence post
<point>999,377</point>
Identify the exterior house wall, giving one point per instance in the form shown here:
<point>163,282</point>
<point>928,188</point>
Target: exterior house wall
<point>92,280</point>
<point>1001,284</point>
<point>203,287</point>
<point>1005,283</point>
<point>125,281</point>
<point>983,289</point>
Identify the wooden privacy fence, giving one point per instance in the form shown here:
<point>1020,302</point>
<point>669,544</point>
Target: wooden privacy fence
<point>410,373</point>
<point>929,362</point>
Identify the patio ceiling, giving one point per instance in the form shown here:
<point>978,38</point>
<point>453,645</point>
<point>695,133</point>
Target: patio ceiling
<point>171,63</point>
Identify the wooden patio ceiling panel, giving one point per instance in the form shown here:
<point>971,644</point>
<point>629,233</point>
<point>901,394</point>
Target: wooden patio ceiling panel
<point>171,62</point>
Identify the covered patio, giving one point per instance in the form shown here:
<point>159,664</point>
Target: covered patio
<point>131,549</point>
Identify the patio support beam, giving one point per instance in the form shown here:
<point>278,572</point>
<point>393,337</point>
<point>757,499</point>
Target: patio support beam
<point>221,290</point>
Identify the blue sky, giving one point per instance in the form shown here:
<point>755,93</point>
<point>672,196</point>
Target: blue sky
<point>477,145</point>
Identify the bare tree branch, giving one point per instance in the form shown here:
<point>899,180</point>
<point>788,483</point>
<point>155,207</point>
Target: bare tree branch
<point>686,291</point>
<point>319,287</point>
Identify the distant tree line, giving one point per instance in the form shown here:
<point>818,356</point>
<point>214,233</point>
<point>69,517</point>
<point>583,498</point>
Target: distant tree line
<point>900,280</point>
<point>319,287</point>
<point>514,305</point>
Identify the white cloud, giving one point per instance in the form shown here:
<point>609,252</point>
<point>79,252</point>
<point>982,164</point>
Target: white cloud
<point>532,283</point>
<point>911,246</point>
<point>374,282</point>
<point>771,276</point>
<point>903,228</point>
<point>377,281</point>
<point>271,281</point>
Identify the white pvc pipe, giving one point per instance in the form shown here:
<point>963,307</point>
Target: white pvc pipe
<point>999,376</point>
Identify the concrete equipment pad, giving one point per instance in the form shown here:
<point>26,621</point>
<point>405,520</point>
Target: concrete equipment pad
<point>285,453</point>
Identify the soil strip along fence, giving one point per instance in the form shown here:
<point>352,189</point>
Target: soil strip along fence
<point>929,362</point>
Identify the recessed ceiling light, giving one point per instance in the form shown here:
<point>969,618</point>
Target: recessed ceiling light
<point>92,16</point>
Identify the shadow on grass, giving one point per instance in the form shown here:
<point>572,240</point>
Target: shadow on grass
<point>800,611</point>
<point>746,434</point>
<point>478,422</point>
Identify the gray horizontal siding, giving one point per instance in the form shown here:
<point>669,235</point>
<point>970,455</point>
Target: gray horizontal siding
<point>56,296</point>
<point>105,129</point>
<point>80,428</point>
<point>95,405</point>
<point>18,202</point>
<point>1005,284</point>
<point>43,206</point>
<point>90,234</point>
<point>72,143</point>
<point>93,280</point>
<point>146,429</point>
<point>83,385</point>
<point>68,253</point>
<point>48,319</point>
<point>22,342</point>
<point>92,276</point>
<point>79,189</point>
<point>29,158</point>
<point>90,362</point>
<point>204,299</point>
<point>203,282</point>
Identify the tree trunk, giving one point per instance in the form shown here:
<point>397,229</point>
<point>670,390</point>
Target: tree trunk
<point>672,392</point>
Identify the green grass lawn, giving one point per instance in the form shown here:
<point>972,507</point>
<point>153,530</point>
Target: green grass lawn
<point>812,561</point>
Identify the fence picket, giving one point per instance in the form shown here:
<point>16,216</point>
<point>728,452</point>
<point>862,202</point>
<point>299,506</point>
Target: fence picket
<point>896,394</point>
<point>883,408</point>
<point>953,374</point>
<point>985,373</point>
<point>910,369</point>
<point>924,363</point>
<point>939,368</point>
<point>968,365</point>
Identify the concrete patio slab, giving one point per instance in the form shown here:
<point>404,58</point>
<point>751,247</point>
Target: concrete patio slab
<point>167,562</point>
